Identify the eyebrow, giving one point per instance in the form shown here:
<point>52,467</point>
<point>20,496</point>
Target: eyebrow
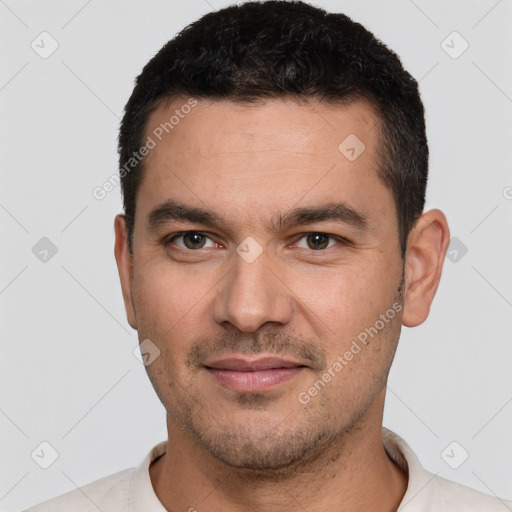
<point>173,210</point>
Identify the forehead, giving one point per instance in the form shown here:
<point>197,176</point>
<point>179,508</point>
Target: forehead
<point>224,154</point>
<point>306,131</point>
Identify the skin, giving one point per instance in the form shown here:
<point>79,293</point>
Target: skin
<point>267,451</point>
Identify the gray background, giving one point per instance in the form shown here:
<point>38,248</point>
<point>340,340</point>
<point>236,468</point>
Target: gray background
<point>68,373</point>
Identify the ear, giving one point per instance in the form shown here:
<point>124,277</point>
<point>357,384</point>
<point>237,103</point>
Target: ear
<point>427,244</point>
<point>125,267</point>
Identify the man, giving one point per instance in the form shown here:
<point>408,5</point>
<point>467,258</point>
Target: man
<point>274,161</point>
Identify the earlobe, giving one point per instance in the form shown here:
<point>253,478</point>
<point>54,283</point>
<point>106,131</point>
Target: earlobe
<point>426,249</point>
<point>125,267</point>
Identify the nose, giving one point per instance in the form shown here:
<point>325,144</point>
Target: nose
<point>251,295</point>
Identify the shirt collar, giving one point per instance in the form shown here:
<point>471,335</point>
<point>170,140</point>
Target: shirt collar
<point>144,498</point>
<point>418,478</point>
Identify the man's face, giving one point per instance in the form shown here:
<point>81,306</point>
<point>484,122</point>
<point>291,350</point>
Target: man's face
<point>249,314</point>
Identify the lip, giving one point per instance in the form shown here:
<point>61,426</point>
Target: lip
<point>252,376</point>
<point>256,365</point>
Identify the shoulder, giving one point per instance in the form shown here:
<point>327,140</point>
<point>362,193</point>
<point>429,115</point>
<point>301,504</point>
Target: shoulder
<point>444,495</point>
<point>110,493</point>
<point>428,492</point>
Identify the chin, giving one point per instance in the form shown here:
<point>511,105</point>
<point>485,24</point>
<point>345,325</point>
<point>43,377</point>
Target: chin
<point>261,448</point>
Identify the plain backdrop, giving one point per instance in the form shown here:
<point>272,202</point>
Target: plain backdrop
<point>68,373</point>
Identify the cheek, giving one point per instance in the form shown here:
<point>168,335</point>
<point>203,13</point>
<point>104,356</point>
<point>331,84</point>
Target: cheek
<point>164,308</point>
<point>171,304</point>
<point>166,292</point>
<point>156,295</point>
<point>347,299</point>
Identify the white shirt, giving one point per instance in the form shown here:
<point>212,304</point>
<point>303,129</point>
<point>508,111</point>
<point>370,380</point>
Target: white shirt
<point>131,490</point>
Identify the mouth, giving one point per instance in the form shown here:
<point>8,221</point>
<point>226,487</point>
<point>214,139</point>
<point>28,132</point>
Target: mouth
<point>253,376</point>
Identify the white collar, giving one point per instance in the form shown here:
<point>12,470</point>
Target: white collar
<point>145,499</point>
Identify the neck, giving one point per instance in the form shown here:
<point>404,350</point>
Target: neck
<point>352,473</point>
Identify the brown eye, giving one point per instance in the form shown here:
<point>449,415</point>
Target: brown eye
<point>191,240</point>
<point>317,241</point>
<point>194,240</point>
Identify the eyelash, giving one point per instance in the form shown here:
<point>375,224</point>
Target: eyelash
<point>340,240</point>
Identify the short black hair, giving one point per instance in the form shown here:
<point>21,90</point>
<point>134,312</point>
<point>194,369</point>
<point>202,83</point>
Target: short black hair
<point>286,49</point>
